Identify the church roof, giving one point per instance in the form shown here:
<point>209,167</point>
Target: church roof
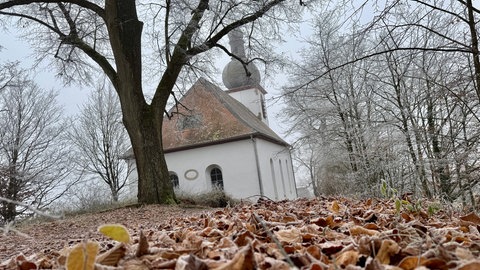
<point>208,115</point>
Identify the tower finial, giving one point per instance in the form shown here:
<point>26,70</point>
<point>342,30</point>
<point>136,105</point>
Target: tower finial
<point>238,74</point>
<point>237,44</point>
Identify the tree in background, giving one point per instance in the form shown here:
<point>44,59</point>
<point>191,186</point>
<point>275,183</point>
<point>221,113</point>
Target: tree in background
<point>7,73</point>
<point>109,35</point>
<point>33,153</point>
<point>396,96</point>
<point>100,139</point>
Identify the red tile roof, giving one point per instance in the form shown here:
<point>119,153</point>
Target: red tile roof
<point>208,115</point>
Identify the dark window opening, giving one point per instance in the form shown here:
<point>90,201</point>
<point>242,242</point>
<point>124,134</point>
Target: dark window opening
<point>264,108</point>
<point>174,179</point>
<point>217,178</point>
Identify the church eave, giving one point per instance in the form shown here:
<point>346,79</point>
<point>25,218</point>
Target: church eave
<point>227,140</point>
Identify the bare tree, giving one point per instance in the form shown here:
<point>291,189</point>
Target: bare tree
<point>100,140</point>
<point>108,34</point>
<point>403,101</point>
<point>33,154</point>
<point>336,112</point>
<point>6,75</point>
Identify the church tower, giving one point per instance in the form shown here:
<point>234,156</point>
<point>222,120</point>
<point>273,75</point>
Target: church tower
<point>243,81</point>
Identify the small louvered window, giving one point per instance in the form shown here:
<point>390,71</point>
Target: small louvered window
<point>264,108</point>
<point>189,121</point>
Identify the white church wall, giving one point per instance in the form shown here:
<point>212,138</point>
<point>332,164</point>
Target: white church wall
<point>239,169</point>
<point>277,171</point>
<point>235,159</point>
<point>132,183</point>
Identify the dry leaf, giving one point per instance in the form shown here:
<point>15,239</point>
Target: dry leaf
<point>82,256</point>
<point>116,232</point>
<point>135,264</point>
<point>473,265</point>
<point>359,230</point>
<point>331,247</point>
<point>373,264</point>
<point>346,258</point>
<point>243,260</point>
<point>26,265</point>
<point>371,226</point>
<point>289,236</point>
<point>112,256</point>
<point>387,249</point>
<point>472,217</point>
<point>435,263</point>
<point>271,263</point>
<point>409,263</point>
<point>142,248</point>
<point>464,254</point>
<point>335,207</point>
<point>190,262</point>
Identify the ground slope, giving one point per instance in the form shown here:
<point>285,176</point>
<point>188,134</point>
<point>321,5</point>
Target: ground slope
<point>328,233</point>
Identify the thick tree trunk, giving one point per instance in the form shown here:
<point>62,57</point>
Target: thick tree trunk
<point>142,121</point>
<point>474,42</point>
<point>154,185</point>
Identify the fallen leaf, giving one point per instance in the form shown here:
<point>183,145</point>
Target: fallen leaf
<point>190,262</point>
<point>411,262</point>
<point>82,256</point>
<point>371,226</point>
<point>243,260</point>
<point>271,263</point>
<point>116,232</point>
<point>335,207</point>
<point>135,264</point>
<point>359,230</point>
<point>329,248</point>
<point>142,248</point>
<point>346,258</point>
<point>368,202</point>
<point>435,263</point>
<point>473,265</point>
<point>112,256</point>
<point>387,249</point>
<point>464,254</point>
<point>289,235</point>
<point>26,265</point>
<point>373,264</point>
<point>471,217</point>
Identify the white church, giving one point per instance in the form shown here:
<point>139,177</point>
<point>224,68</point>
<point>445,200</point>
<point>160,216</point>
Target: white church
<point>221,139</point>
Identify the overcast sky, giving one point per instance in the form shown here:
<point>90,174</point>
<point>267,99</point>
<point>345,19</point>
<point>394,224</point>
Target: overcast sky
<point>72,97</point>
<point>18,50</point>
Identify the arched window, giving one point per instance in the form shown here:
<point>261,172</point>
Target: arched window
<point>217,178</point>
<point>174,179</point>
<point>272,169</point>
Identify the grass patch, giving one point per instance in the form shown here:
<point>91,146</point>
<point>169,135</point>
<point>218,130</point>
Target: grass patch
<point>214,198</point>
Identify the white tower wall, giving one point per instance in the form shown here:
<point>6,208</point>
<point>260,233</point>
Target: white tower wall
<point>254,100</point>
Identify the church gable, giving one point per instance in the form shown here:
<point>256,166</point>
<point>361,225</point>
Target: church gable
<point>201,118</point>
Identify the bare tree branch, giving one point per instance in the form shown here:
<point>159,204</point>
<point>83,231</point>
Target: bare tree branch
<point>86,4</point>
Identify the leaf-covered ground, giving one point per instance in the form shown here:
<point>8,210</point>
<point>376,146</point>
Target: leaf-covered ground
<point>331,233</point>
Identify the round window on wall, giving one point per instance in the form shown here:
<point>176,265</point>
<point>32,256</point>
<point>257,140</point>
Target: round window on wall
<point>191,174</point>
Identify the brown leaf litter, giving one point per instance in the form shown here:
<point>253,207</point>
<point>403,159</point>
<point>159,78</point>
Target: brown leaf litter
<point>327,233</point>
